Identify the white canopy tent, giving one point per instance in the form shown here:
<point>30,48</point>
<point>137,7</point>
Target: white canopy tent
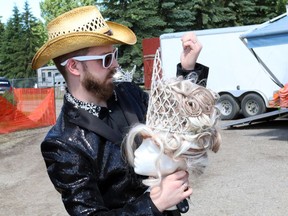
<point>271,33</point>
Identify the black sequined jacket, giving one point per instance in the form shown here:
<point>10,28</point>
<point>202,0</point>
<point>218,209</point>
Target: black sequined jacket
<point>85,164</point>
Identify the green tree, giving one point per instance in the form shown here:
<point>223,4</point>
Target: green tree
<point>33,39</point>
<point>53,8</point>
<point>2,30</point>
<point>281,6</point>
<point>22,36</point>
<point>264,10</point>
<point>151,18</point>
<point>142,17</point>
<point>178,15</point>
<point>10,52</point>
<point>240,10</point>
<point>219,14</point>
<point>189,15</point>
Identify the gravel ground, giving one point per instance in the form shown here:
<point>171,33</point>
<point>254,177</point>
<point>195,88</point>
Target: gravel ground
<point>248,176</point>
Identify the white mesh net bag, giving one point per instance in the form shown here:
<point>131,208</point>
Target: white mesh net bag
<point>182,114</point>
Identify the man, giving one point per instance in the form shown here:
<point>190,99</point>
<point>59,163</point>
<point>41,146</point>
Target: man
<point>82,151</point>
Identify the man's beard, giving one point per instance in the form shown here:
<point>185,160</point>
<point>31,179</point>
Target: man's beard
<point>101,90</point>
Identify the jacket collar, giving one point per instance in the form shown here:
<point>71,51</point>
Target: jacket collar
<point>88,121</point>
<point>126,106</point>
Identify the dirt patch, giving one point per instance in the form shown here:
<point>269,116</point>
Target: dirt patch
<point>248,176</point>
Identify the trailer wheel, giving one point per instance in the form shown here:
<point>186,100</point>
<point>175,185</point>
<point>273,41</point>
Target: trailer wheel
<point>252,104</point>
<point>229,107</point>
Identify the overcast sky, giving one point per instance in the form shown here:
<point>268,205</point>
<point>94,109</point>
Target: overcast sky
<point>6,8</point>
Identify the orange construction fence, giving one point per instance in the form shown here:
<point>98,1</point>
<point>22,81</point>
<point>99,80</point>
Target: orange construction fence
<point>32,108</point>
<point>283,96</point>
<point>280,97</point>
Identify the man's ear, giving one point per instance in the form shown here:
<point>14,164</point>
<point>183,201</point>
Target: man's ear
<point>72,67</point>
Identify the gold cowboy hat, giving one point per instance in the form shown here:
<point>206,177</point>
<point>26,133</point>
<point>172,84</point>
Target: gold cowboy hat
<point>80,28</point>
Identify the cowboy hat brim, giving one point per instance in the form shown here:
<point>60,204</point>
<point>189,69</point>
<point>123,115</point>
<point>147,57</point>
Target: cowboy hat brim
<point>78,40</point>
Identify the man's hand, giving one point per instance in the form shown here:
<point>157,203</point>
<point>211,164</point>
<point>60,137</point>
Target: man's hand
<point>172,190</point>
<point>191,50</point>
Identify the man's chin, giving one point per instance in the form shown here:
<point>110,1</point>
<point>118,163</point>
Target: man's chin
<point>102,90</point>
<point>107,91</point>
<point>110,86</point>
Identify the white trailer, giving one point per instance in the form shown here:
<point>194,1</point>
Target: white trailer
<point>242,82</point>
<point>49,76</point>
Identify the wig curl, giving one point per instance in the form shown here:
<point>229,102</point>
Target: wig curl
<point>182,121</point>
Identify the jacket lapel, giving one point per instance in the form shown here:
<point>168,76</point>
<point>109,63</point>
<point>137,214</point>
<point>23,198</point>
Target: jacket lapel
<point>86,120</point>
<point>127,107</point>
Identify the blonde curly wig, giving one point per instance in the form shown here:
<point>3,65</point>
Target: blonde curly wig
<point>181,120</point>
